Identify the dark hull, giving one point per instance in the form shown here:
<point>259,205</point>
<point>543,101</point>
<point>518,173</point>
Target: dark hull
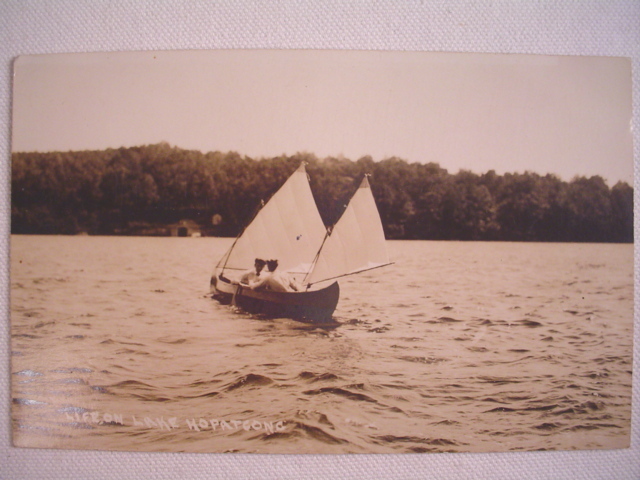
<point>316,306</point>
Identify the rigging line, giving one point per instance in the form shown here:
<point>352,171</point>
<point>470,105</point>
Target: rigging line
<point>315,259</point>
<point>228,254</point>
<point>351,273</point>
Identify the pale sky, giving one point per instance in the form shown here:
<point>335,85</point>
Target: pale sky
<point>510,113</point>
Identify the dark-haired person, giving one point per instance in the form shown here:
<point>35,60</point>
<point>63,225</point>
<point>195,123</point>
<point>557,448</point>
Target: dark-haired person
<point>274,281</point>
<point>253,275</point>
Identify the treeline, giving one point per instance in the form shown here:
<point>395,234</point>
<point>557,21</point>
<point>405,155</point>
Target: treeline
<point>131,190</point>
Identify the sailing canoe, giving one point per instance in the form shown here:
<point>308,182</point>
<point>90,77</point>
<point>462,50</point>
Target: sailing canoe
<point>289,228</point>
<point>316,306</point>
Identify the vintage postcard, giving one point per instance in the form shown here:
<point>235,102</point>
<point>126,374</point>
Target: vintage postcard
<point>321,252</point>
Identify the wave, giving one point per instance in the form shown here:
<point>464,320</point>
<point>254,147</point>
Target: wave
<point>211,394</point>
<point>446,422</point>
<point>111,341</point>
<point>49,280</point>
<point>249,380</point>
<point>134,389</point>
<point>43,324</point>
<point>425,360</point>
<point>319,434</point>
<point>170,341</point>
<point>317,377</point>
<point>381,329</point>
<point>417,444</point>
<point>298,430</point>
<point>413,439</point>
<point>548,426</point>
<point>499,380</point>
<point>341,392</point>
<point>132,383</point>
<point>528,323</point>
<point>444,320</point>
<point>594,426</point>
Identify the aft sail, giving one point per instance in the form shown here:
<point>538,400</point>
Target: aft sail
<point>356,242</point>
<point>288,228</point>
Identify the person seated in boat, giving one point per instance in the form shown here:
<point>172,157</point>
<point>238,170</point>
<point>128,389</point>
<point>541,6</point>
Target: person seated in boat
<point>253,274</point>
<point>274,281</point>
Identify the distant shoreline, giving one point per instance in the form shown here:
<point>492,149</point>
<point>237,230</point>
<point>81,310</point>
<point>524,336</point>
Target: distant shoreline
<point>159,190</point>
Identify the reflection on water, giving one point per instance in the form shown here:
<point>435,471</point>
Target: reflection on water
<point>456,347</point>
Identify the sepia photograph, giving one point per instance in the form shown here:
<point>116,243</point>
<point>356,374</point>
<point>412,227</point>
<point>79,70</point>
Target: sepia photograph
<point>321,252</point>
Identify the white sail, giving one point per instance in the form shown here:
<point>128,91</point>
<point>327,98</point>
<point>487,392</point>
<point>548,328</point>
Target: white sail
<point>288,228</point>
<point>356,242</point>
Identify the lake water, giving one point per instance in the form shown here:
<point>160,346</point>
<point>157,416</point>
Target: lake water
<point>456,347</point>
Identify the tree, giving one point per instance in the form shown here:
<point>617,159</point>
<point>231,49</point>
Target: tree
<point>468,209</point>
<point>622,212</point>
<point>589,208</point>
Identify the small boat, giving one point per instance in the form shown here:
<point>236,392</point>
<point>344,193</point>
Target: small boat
<point>289,228</point>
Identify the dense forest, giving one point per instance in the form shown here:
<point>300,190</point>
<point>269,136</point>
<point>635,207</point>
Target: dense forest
<point>142,190</point>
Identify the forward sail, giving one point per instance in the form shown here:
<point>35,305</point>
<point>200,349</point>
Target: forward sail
<point>288,228</point>
<point>356,243</point>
